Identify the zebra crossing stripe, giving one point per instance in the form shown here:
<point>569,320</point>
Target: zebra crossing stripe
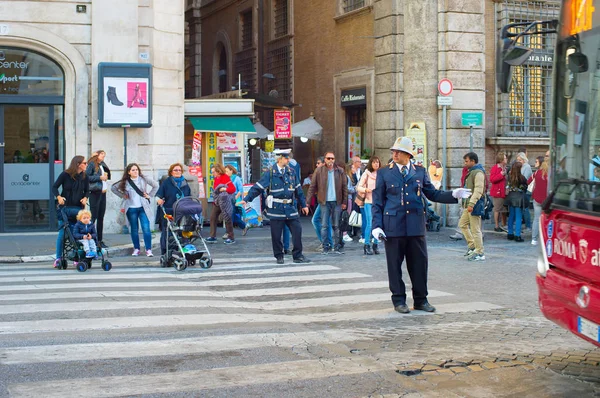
<point>195,292</point>
<point>204,379</point>
<point>199,345</point>
<point>188,284</point>
<point>202,320</point>
<point>101,275</point>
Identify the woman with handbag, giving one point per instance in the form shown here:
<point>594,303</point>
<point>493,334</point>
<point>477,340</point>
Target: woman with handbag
<point>539,192</point>
<point>365,188</point>
<point>516,201</point>
<point>223,189</point>
<point>350,206</point>
<point>98,174</point>
<point>133,188</point>
<point>498,191</point>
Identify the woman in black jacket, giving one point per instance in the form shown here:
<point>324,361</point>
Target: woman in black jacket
<point>98,173</point>
<point>516,202</point>
<point>73,196</point>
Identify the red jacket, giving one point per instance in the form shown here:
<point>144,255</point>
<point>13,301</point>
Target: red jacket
<point>498,180</point>
<point>224,179</point>
<point>540,189</point>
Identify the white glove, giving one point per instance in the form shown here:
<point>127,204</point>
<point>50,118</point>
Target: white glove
<point>461,193</point>
<point>377,233</point>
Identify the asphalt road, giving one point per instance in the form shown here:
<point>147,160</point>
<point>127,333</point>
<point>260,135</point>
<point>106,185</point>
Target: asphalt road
<point>247,327</point>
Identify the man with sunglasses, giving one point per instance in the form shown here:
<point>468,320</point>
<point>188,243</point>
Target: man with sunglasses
<point>399,215</point>
<point>330,185</point>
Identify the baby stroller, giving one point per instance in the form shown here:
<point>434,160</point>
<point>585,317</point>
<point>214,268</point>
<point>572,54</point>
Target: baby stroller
<point>432,220</point>
<point>73,249</point>
<point>183,229</point>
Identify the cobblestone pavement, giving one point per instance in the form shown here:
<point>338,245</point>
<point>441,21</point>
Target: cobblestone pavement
<point>247,327</point>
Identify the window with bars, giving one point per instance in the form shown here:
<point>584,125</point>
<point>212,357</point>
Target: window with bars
<point>246,30</point>
<point>280,18</point>
<point>526,110</point>
<point>351,5</point>
<point>279,63</point>
<point>245,65</point>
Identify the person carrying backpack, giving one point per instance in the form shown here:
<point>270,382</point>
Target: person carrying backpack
<point>470,221</point>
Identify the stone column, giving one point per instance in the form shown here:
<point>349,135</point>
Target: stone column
<point>389,53</point>
<point>462,60</point>
<point>192,17</point>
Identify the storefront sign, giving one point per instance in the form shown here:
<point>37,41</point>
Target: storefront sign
<point>540,59</point>
<point>196,148</point>
<point>27,181</point>
<point>354,97</point>
<point>227,142</point>
<point>124,95</point>
<point>354,141</point>
<point>418,134</point>
<point>212,159</point>
<point>283,125</point>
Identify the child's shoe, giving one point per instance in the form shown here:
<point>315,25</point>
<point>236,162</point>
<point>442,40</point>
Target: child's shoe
<point>90,254</point>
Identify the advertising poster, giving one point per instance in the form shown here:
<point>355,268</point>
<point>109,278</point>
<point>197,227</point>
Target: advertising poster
<point>227,142</point>
<point>269,146</point>
<point>125,101</point>
<point>283,125</point>
<point>197,148</point>
<point>212,159</point>
<point>418,134</point>
<point>354,141</point>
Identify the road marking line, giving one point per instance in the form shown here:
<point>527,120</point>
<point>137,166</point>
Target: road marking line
<point>188,284</point>
<point>195,292</point>
<point>204,379</point>
<point>199,345</point>
<point>201,320</point>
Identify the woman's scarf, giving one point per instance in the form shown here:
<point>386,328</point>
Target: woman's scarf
<point>178,180</point>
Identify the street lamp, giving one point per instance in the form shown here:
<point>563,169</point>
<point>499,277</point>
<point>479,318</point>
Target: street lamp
<point>252,141</point>
<point>303,140</point>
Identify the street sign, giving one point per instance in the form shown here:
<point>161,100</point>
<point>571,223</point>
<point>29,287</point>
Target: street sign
<point>472,119</point>
<point>441,101</point>
<point>445,87</point>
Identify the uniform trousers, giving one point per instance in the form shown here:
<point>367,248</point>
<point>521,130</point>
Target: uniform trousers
<point>295,227</point>
<point>414,249</point>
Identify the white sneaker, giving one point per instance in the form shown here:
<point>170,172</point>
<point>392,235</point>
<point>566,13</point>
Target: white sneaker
<point>136,252</point>
<point>361,240</point>
<point>534,242</point>
<point>149,253</point>
<point>347,238</point>
<point>225,236</point>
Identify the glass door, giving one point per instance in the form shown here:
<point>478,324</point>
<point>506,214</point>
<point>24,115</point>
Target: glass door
<point>29,162</point>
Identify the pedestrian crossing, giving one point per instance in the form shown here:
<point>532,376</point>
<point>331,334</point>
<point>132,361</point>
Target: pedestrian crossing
<point>140,312</point>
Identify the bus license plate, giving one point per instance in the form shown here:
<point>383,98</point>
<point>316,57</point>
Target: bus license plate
<point>588,329</point>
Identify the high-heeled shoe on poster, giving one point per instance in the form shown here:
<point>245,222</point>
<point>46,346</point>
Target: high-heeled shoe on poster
<point>111,96</point>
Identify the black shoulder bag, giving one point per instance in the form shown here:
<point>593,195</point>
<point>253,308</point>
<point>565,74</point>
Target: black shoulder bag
<point>137,190</point>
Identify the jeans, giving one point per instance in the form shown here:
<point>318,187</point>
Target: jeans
<point>70,213</point>
<point>316,222</point>
<point>535,228</point>
<point>363,226</point>
<point>89,245</point>
<point>515,220</point>
<point>330,216</point>
<point>133,215</point>
<point>526,213</point>
<point>286,237</point>
<point>367,222</point>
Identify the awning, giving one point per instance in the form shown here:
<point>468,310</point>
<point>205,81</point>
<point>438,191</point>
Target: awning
<point>307,128</point>
<point>225,124</point>
<point>261,131</point>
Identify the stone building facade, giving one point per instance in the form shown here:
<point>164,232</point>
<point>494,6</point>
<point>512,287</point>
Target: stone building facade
<point>59,113</point>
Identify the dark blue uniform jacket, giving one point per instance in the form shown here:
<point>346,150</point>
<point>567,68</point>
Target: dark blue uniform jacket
<point>284,186</point>
<point>398,205</point>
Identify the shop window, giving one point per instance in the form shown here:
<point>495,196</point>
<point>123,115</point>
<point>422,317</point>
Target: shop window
<point>280,18</point>
<point>526,110</point>
<point>24,72</point>
<point>246,30</point>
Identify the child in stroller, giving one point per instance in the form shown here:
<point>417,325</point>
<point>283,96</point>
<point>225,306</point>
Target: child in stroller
<point>183,229</point>
<point>74,250</point>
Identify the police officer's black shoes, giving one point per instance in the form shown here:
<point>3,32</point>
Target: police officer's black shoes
<point>280,260</point>
<point>367,250</point>
<point>301,260</point>
<point>375,249</point>
<point>425,307</point>
<point>402,308</point>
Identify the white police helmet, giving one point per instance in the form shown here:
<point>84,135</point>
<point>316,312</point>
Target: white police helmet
<point>404,144</point>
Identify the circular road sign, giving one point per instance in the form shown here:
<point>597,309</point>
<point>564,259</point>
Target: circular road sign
<point>445,87</point>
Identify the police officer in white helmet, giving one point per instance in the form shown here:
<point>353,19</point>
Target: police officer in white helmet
<point>399,219</point>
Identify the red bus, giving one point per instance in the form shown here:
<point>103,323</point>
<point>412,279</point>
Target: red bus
<point>568,269</point>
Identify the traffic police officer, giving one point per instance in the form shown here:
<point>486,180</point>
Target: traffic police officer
<point>399,219</point>
<point>284,190</point>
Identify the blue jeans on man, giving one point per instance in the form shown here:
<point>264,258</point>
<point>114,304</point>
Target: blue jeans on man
<point>137,216</point>
<point>330,216</point>
<point>316,222</point>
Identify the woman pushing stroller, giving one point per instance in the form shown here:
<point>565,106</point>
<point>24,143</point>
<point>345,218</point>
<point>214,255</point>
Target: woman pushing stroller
<point>173,188</point>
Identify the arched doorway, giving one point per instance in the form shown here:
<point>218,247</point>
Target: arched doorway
<point>221,80</point>
<point>32,102</point>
